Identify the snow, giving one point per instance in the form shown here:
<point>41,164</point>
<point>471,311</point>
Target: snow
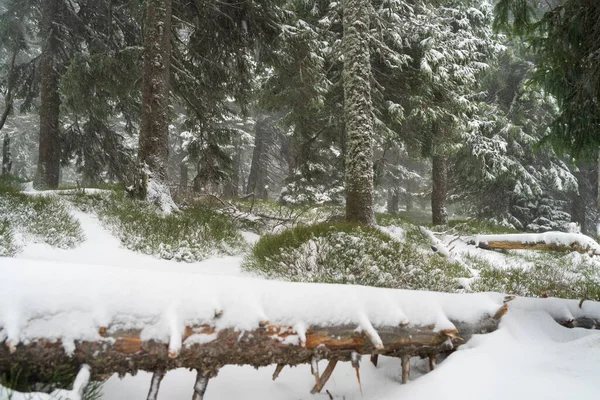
<point>68,294</point>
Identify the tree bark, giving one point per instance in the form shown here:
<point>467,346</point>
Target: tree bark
<point>6,156</point>
<point>393,201</point>
<point>598,196</point>
<point>183,177</point>
<point>154,126</point>
<point>440,189</point>
<point>580,199</point>
<point>207,350</point>
<point>232,186</point>
<point>358,112</point>
<point>257,180</point>
<point>48,170</point>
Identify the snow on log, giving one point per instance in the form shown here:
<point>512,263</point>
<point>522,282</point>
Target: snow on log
<point>551,241</point>
<point>124,320</point>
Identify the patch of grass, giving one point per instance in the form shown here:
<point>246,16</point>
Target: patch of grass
<point>536,274</point>
<point>349,253</point>
<point>41,219</point>
<point>21,379</point>
<point>474,227</point>
<point>7,245</point>
<point>194,234</point>
<point>412,231</point>
<point>275,216</point>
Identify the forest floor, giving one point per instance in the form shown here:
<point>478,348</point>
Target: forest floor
<point>528,357</point>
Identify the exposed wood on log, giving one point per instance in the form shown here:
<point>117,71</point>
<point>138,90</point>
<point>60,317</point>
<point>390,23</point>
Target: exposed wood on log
<point>355,360</point>
<point>432,361</point>
<point>375,359</point>
<point>157,378</point>
<point>325,377</point>
<point>515,245</point>
<point>314,369</point>
<point>207,350</point>
<point>405,368</point>
<point>278,370</point>
<point>200,386</point>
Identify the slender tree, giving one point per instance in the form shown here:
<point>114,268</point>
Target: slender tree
<point>358,112</point>
<point>49,146</point>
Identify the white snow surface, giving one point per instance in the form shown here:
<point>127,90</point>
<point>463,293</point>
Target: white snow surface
<point>68,294</point>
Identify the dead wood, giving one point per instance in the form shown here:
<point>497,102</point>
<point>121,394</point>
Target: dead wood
<point>321,381</point>
<point>518,245</point>
<point>206,349</point>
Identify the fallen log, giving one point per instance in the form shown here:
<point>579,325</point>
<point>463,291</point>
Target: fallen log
<point>207,350</point>
<point>549,241</point>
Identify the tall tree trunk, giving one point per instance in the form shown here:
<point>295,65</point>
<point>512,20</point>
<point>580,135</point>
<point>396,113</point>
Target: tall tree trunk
<point>183,177</point>
<point>154,127</point>
<point>6,157</point>
<point>598,195</point>
<point>440,189</point>
<point>580,199</point>
<point>232,185</point>
<point>257,180</point>
<point>393,201</point>
<point>48,169</point>
<point>358,112</point>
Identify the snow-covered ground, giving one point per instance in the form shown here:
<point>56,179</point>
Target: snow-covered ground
<point>529,357</point>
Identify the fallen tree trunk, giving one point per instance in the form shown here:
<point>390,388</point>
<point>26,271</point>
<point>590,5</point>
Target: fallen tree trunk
<point>549,241</point>
<point>207,350</point>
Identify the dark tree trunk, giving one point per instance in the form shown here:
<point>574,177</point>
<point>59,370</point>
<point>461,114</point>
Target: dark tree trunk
<point>257,180</point>
<point>393,201</point>
<point>154,127</point>
<point>6,156</point>
<point>409,196</point>
<point>440,189</point>
<point>183,177</point>
<point>232,185</point>
<point>579,202</point>
<point>48,169</point>
<point>358,115</point>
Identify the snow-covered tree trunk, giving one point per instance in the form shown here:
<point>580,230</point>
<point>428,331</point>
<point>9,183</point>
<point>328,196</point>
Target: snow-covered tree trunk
<point>358,112</point>
<point>154,128</point>
<point>440,189</point>
<point>48,168</point>
<point>257,180</point>
<point>6,157</point>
